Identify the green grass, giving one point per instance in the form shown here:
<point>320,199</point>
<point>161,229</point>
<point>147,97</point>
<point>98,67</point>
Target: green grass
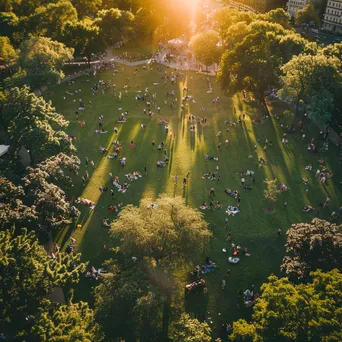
<point>252,228</point>
<point>135,48</point>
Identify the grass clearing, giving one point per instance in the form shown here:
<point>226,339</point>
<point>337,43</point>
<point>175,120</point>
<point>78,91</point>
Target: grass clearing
<point>253,227</point>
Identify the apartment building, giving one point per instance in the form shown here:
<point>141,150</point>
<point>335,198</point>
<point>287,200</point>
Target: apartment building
<point>294,5</point>
<point>333,16</point>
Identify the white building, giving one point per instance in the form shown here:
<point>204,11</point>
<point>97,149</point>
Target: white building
<point>294,5</point>
<point>333,16</point>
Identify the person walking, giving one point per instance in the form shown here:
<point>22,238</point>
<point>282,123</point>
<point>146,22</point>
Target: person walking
<point>86,161</point>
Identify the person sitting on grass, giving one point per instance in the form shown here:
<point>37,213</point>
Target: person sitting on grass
<point>308,208</point>
<point>308,167</point>
<point>204,206</point>
<point>305,180</point>
<point>105,222</point>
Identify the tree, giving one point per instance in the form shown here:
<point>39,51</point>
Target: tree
<point>145,22</point>
<point>243,332</point>
<point>58,169</point>
<point>8,55</point>
<point>187,329</point>
<point>28,274</point>
<point>305,312</point>
<point>9,24</point>
<point>315,81</point>
<point>13,212</point>
<point>205,47</point>
<point>307,15</point>
<point>254,63</point>
<point>311,246</point>
<point>32,122</point>
<point>49,200</point>
<point>85,39</point>
<point>271,192</point>
<point>43,59</point>
<point>114,25</point>
<point>127,304</point>
<point>87,7</point>
<point>72,322</point>
<point>277,16</point>
<point>166,235</point>
<point>49,20</point>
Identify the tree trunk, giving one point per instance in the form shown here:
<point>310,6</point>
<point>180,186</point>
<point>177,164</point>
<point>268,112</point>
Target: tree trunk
<point>166,318</point>
<point>31,157</point>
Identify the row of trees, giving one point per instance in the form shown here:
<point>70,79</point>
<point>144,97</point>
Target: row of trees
<point>27,276</point>
<point>305,305</point>
<point>260,52</point>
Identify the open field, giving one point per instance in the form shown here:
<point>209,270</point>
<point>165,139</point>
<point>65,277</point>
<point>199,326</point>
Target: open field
<point>252,227</point>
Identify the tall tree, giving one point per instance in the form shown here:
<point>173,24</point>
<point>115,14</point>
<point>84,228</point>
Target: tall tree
<point>13,211</point>
<point>311,246</point>
<point>167,233</point>
<point>306,77</point>
<point>49,20</point>
<point>127,303</point>
<point>42,60</point>
<point>243,332</point>
<point>306,312</point>
<point>114,25</point>
<point>254,63</point>
<point>85,39</point>
<point>49,200</point>
<point>205,47</point>
<point>28,274</point>
<point>32,122</point>
<point>87,7</point>
<point>8,56</point>
<point>71,322</point>
<point>308,15</point>
<point>188,329</point>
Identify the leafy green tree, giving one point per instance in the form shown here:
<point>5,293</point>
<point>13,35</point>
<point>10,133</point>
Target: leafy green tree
<point>127,304</point>
<point>114,25</point>
<point>49,200</point>
<point>85,39</point>
<point>28,274</point>
<point>307,15</point>
<point>145,22</point>
<point>271,192</point>
<point>87,7</point>
<point>205,47</point>
<point>333,50</point>
<point>168,234</point>
<point>32,122</point>
<point>42,60</point>
<point>277,16</point>
<point>49,20</point>
<point>306,77</point>
<point>8,56</point>
<point>243,332</point>
<point>9,24</point>
<point>72,322</point>
<point>13,211</point>
<point>224,18</point>
<point>311,246</point>
<point>59,168</point>
<point>188,329</point>
<point>305,312</point>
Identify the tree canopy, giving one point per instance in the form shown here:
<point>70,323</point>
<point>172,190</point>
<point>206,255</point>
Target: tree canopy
<point>311,246</point>
<point>188,329</point>
<point>314,80</point>
<point>32,122</point>
<point>8,56</point>
<point>205,47</point>
<point>289,312</point>
<point>28,274</point>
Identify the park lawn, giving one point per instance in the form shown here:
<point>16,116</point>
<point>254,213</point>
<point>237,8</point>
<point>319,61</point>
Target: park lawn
<point>135,47</point>
<point>253,227</point>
